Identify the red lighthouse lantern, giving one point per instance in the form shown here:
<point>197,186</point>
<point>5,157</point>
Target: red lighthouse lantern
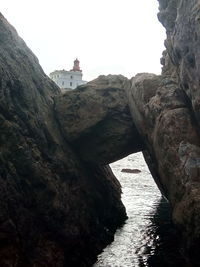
<point>76,66</point>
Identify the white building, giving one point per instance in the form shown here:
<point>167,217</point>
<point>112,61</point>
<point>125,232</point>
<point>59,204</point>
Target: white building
<point>68,79</point>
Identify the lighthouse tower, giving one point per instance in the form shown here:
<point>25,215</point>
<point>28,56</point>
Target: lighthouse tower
<point>76,66</point>
<point>68,79</point>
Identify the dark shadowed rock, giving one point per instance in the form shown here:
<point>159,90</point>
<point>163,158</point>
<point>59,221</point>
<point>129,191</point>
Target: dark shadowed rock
<point>54,210</point>
<point>130,170</point>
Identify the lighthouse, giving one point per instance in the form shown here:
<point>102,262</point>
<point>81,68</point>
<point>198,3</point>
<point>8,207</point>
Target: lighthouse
<point>76,66</point>
<point>68,80</point>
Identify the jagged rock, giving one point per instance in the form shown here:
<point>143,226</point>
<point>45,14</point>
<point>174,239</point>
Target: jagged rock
<point>96,119</point>
<point>183,63</point>
<point>165,121</point>
<point>55,210</point>
<point>166,113</point>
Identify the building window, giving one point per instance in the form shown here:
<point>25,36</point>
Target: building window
<point>71,77</point>
<point>63,83</point>
<point>70,83</point>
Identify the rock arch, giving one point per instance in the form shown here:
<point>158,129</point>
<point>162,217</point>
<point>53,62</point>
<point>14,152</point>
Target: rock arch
<point>96,119</point>
<point>154,116</point>
<point>54,181</point>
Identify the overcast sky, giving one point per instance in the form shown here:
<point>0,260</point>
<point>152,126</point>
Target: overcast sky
<point>107,36</point>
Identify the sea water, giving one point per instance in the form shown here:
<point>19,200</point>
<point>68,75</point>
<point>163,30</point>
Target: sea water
<point>148,237</point>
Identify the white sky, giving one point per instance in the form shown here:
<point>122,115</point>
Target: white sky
<point>107,36</point>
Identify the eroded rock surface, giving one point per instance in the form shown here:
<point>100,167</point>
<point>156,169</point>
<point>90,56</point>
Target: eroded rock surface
<point>54,209</point>
<point>165,121</point>
<point>96,119</point>
<point>182,63</point>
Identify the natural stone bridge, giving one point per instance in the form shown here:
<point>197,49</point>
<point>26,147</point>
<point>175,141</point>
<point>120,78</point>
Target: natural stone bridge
<point>59,201</point>
<point>96,119</point>
<point>111,117</point>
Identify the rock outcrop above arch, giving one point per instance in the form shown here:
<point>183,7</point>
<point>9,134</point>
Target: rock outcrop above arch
<point>96,119</point>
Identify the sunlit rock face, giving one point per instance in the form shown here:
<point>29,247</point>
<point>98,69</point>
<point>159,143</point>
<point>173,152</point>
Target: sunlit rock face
<point>55,210</point>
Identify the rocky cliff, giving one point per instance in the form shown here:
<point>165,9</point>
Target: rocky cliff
<point>55,209</point>
<point>181,65</point>
<point>166,113</point>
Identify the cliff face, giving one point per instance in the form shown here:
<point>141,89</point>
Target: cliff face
<point>55,210</point>
<point>164,119</point>
<point>165,110</point>
<point>182,62</point>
